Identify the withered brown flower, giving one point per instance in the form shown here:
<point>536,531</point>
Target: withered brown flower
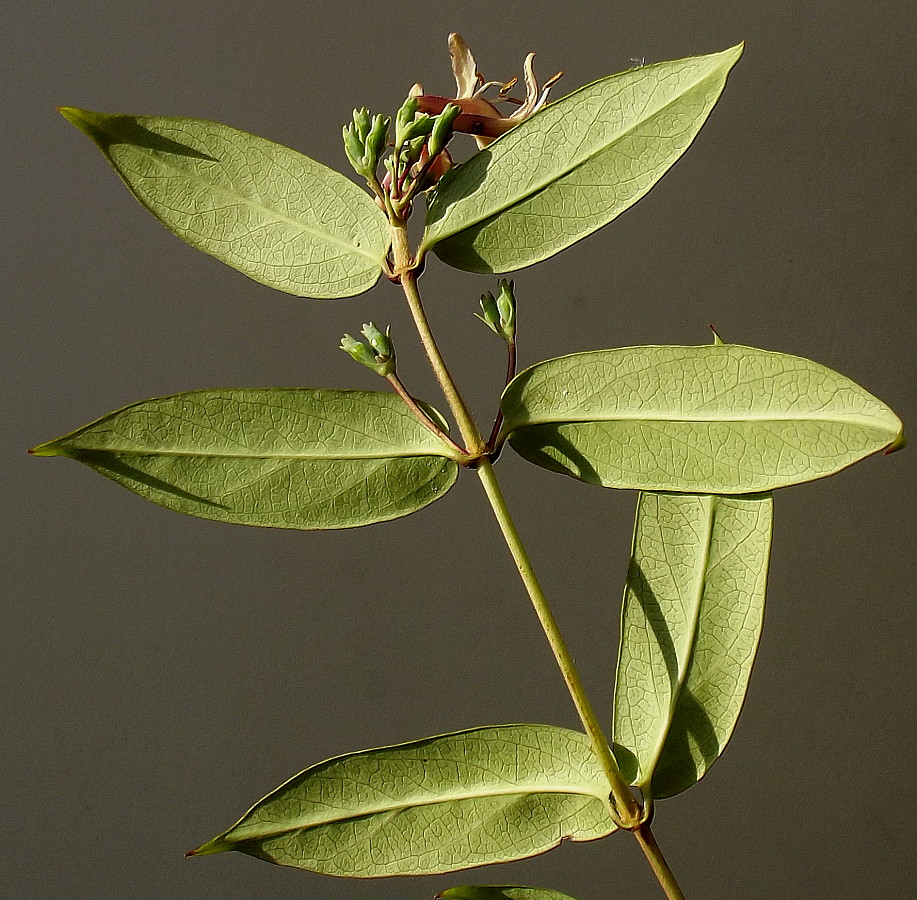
<point>479,117</point>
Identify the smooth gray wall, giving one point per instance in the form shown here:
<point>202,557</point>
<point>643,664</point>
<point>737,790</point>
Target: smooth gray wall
<point>161,673</point>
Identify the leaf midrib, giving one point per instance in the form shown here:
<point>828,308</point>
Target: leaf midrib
<point>271,213</point>
<point>864,421</point>
<point>685,662</point>
<point>393,454</point>
<point>539,188</point>
<point>568,790</point>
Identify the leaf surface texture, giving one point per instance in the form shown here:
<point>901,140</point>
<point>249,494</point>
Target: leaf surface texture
<point>280,457</point>
<point>501,892</point>
<point>281,218</point>
<point>713,419</point>
<point>444,803</point>
<point>574,166</point>
<point>691,621</point>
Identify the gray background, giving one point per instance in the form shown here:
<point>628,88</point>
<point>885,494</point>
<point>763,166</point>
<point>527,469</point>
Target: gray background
<point>161,673</point>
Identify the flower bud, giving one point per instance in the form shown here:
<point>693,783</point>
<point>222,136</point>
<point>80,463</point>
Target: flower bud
<point>354,149</point>
<point>403,121</point>
<point>361,123</point>
<point>380,341</point>
<point>422,125</point>
<point>414,150</point>
<point>506,305</point>
<point>364,141</point>
<point>499,313</point>
<point>489,314</point>
<point>378,355</point>
<point>442,128</point>
<point>375,141</point>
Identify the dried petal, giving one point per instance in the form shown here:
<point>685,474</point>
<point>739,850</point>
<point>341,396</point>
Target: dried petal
<point>463,67</point>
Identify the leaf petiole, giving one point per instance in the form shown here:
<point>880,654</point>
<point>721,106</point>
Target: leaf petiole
<point>422,416</point>
<point>492,442</point>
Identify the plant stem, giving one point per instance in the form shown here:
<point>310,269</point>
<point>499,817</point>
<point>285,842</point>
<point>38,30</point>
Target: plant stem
<point>420,415</point>
<point>627,810</point>
<point>510,375</point>
<point>647,841</point>
<point>403,267</point>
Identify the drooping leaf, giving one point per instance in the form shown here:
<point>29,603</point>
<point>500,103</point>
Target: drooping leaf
<point>574,166</point>
<point>690,625</point>
<point>445,803</point>
<point>270,212</point>
<point>280,457</point>
<point>501,892</point>
<point>721,419</point>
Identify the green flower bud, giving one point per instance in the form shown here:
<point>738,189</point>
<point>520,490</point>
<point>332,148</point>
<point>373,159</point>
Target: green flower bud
<point>506,305</point>
<point>403,121</point>
<point>359,351</point>
<point>442,128</point>
<point>406,114</point>
<point>354,149</point>
<point>380,341</point>
<point>489,314</point>
<point>361,123</point>
<point>375,142</point>
<point>421,126</point>
<point>499,313</point>
<point>379,355</point>
<point>367,356</point>
<point>414,149</point>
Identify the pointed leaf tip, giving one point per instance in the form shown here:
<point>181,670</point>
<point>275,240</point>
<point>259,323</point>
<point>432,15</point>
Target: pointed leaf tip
<point>277,216</point>
<point>83,119</point>
<point>47,449</point>
<point>605,145</point>
<point>899,443</point>
<point>214,846</point>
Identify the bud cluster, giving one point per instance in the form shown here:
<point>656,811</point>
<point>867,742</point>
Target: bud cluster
<point>364,141</point>
<point>409,126</point>
<point>499,313</point>
<point>419,156</point>
<point>377,352</point>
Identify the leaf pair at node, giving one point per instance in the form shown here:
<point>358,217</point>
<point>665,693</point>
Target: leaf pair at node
<point>294,224</point>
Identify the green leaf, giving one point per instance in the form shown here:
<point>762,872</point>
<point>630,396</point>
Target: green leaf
<point>281,457</point>
<point>719,419</point>
<point>574,166</point>
<point>467,799</point>
<point>690,626</point>
<point>268,211</point>
<point>501,892</point>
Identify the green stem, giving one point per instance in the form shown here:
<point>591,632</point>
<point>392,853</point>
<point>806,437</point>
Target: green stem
<point>627,808</point>
<point>408,277</point>
<point>647,841</point>
<point>419,413</point>
<point>510,375</point>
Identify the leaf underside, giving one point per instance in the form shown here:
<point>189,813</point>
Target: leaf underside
<point>472,798</point>
<point>501,892</point>
<point>275,215</point>
<point>282,457</point>
<point>574,166</point>
<point>722,419</point>
<point>691,621</point>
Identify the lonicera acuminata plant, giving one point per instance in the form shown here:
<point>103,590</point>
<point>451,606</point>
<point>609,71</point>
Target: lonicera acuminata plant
<point>704,434</point>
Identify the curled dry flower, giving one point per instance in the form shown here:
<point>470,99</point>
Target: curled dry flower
<point>479,116</point>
